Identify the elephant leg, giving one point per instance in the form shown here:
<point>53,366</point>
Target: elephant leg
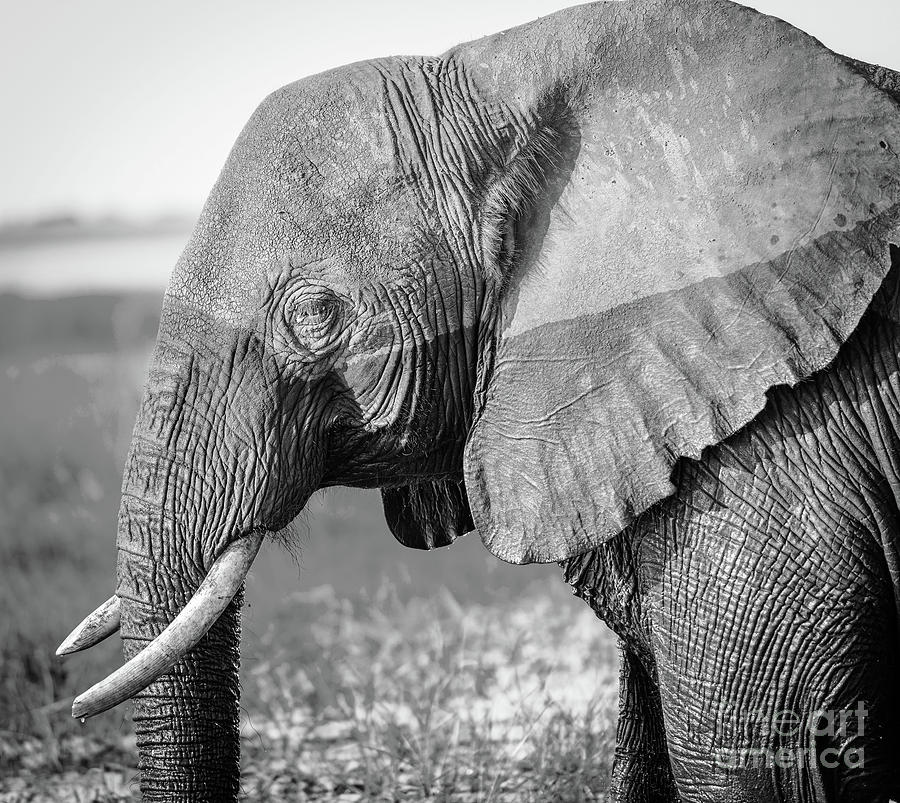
<point>811,723</point>
<point>770,601</point>
<point>641,773</point>
<point>606,578</point>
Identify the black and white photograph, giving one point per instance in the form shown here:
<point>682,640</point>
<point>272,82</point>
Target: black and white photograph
<point>473,402</point>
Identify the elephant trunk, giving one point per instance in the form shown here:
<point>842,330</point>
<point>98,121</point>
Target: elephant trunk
<point>195,501</point>
<point>186,720</point>
<point>204,480</point>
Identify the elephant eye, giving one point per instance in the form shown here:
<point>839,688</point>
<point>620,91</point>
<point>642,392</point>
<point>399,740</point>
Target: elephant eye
<point>313,315</point>
<point>313,312</point>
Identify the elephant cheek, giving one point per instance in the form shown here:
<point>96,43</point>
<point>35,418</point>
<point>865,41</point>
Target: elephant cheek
<point>378,383</point>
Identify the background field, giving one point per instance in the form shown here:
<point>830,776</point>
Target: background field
<point>370,671</point>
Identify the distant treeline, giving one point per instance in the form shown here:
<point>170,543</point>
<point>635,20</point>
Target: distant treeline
<point>85,323</point>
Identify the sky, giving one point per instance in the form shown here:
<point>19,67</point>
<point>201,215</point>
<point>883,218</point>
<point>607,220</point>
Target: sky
<point>131,108</point>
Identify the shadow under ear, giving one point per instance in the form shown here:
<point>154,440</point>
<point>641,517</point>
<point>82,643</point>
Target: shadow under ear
<point>886,302</point>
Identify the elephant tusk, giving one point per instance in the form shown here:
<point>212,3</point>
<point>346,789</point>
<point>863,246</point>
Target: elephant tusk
<point>93,628</point>
<point>201,612</point>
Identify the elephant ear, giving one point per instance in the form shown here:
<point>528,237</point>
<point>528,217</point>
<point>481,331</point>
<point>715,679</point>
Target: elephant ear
<point>428,514</point>
<point>715,199</point>
<point>885,79</point>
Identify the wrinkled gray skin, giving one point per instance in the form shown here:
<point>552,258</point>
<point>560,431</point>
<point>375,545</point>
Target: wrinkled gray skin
<point>778,554</point>
<point>332,321</point>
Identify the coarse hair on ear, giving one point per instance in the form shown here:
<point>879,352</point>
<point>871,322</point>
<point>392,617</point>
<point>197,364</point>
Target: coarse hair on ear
<point>517,183</point>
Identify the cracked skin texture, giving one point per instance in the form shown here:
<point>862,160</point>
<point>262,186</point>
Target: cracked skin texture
<point>516,286</point>
<point>765,587</point>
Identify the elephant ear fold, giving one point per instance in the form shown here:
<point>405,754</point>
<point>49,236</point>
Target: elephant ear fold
<point>715,224</point>
<point>427,514</point>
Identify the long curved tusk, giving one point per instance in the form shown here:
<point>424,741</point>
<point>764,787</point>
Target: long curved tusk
<point>93,629</point>
<point>201,612</point>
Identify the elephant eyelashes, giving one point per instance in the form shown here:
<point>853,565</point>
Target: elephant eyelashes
<point>314,316</point>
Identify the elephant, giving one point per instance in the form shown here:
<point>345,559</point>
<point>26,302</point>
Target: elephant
<point>616,289</point>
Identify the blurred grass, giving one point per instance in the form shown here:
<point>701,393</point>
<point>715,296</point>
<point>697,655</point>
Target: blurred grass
<point>400,675</point>
<point>428,699</point>
<point>59,475</point>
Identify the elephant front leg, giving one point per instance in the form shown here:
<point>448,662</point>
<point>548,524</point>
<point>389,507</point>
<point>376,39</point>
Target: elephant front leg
<point>641,772</point>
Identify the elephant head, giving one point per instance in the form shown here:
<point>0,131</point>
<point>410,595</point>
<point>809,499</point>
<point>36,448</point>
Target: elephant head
<point>510,286</point>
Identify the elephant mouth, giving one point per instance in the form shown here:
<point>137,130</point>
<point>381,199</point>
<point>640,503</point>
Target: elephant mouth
<point>202,611</point>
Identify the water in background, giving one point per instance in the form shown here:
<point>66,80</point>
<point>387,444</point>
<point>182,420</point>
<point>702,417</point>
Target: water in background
<point>66,264</point>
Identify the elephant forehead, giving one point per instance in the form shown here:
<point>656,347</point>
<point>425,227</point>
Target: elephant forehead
<point>315,179</point>
<point>371,226</point>
<point>318,171</point>
<point>308,130</point>
<point>238,253</point>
